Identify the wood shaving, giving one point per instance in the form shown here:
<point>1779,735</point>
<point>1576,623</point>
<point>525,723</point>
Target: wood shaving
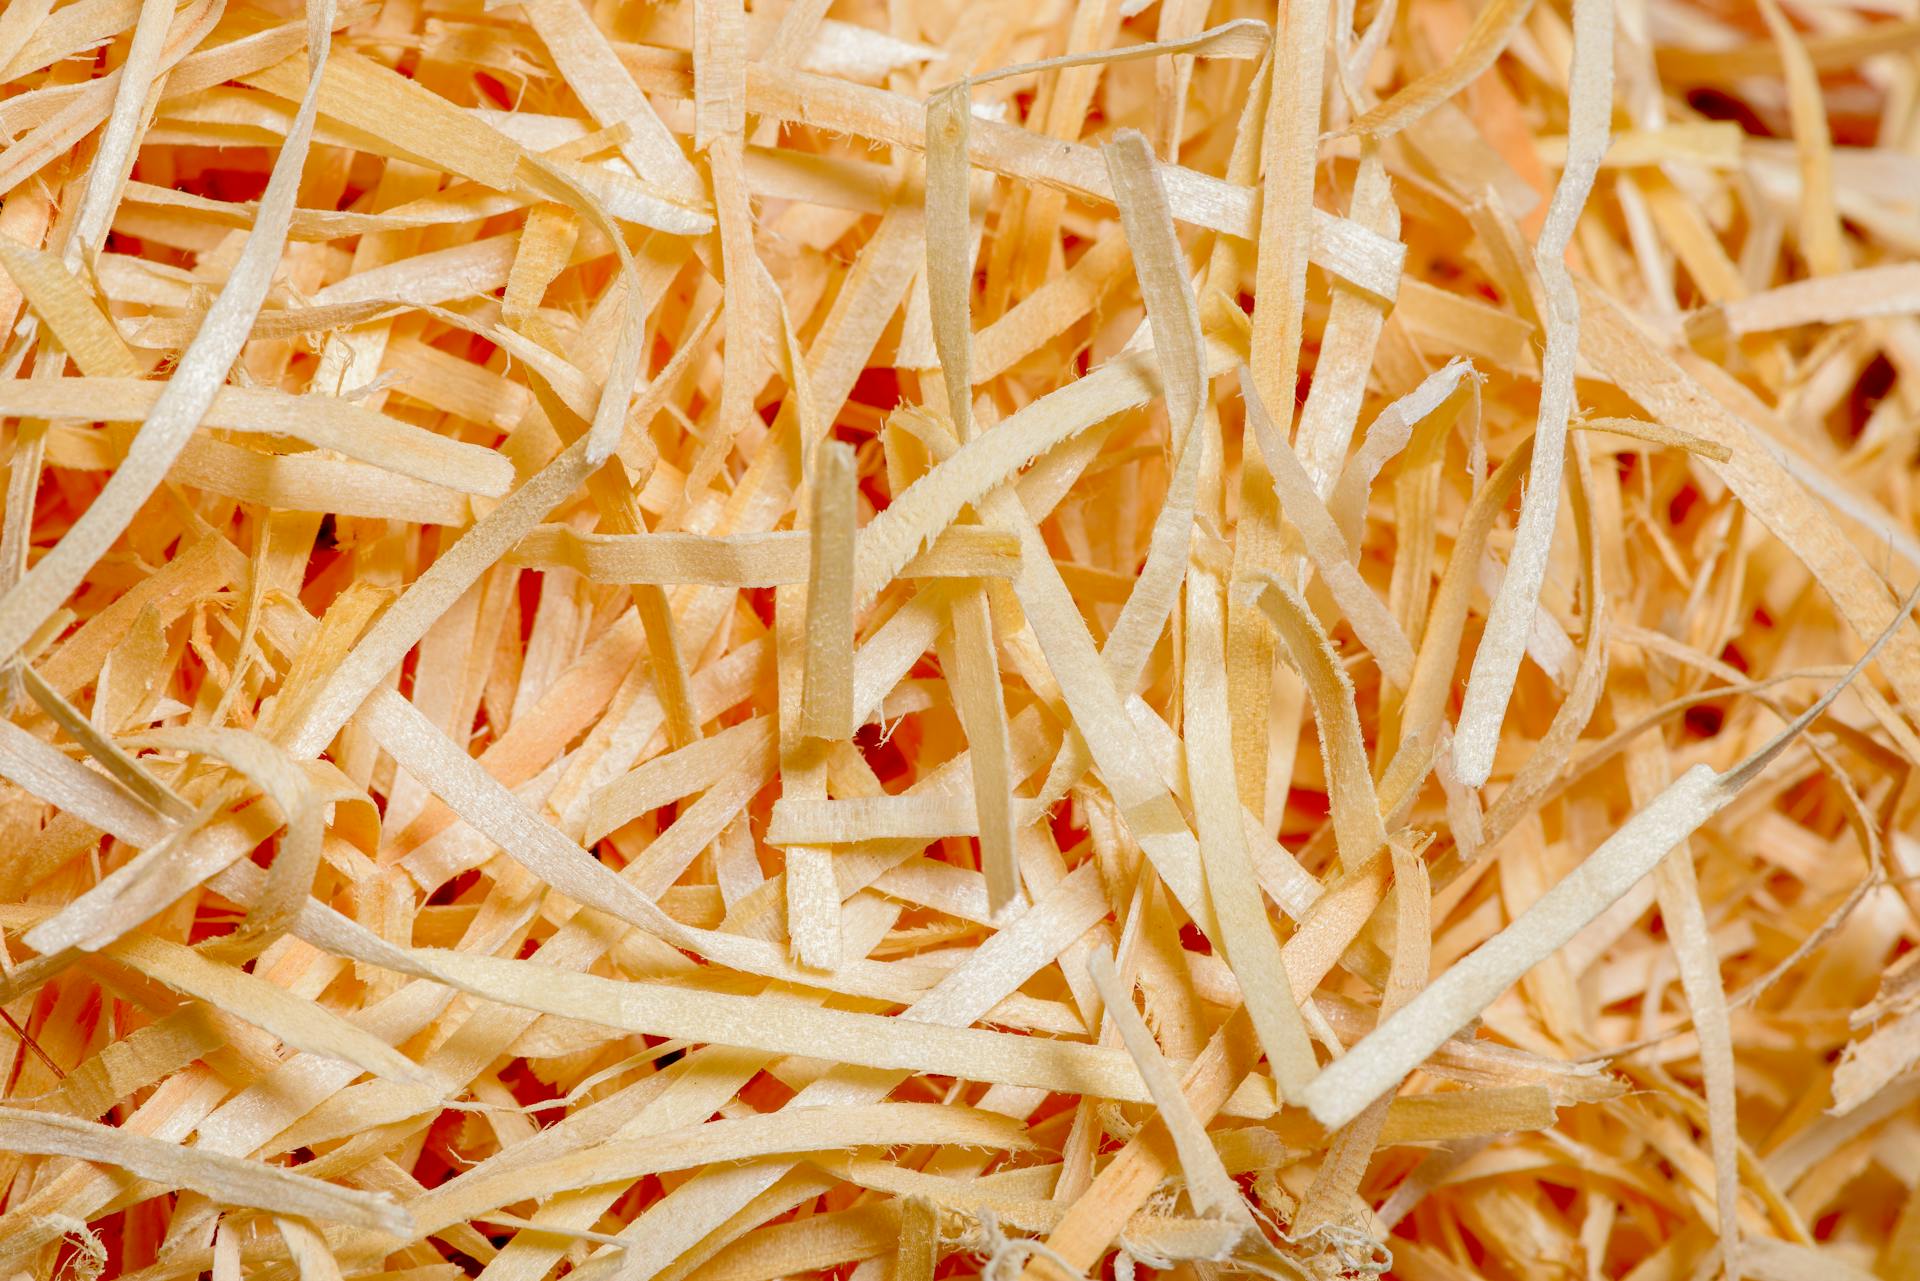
<point>744,640</point>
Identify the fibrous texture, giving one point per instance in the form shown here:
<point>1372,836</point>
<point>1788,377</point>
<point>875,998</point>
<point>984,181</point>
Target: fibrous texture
<point>889,641</point>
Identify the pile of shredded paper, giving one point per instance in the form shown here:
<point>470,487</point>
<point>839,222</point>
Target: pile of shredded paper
<point>1021,638</point>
